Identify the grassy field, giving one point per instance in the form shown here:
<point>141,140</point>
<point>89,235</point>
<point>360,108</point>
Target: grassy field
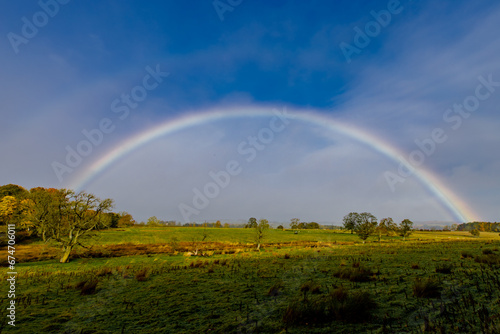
<point>312,282</point>
<point>149,235</point>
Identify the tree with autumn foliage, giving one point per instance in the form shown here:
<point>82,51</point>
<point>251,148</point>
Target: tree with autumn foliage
<point>125,219</point>
<point>44,205</point>
<point>57,215</point>
<point>13,190</point>
<point>10,210</point>
<point>386,226</point>
<point>15,211</point>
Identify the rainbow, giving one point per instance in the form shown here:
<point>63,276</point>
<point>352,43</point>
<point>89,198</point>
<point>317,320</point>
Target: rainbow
<point>456,206</point>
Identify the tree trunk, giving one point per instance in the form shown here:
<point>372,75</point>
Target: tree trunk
<point>65,256</point>
<point>258,246</point>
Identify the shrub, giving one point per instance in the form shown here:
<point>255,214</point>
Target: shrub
<point>310,286</point>
<point>415,266</point>
<point>174,243</point>
<point>87,286</point>
<point>304,312</point>
<point>358,274</point>
<point>339,305</point>
<point>466,254</point>
<point>104,272</point>
<point>275,289</point>
<point>428,288</point>
<point>490,259</point>
<point>475,233</point>
<point>487,251</point>
<point>198,264</point>
<point>142,275</point>
<point>354,307</point>
<point>444,268</point>
<point>80,284</point>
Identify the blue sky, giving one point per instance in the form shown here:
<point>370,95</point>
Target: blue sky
<point>63,78</point>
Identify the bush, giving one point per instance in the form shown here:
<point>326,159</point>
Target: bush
<point>466,254</point>
<point>339,294</point>
<point>80,284</point>
<point>357,274</point>
<point>310,286</point>
<point>275,289</point>
<point>445,268</point>
<point>487,251</point>
<point>354,307</point>
<point>304,312</point>
<point>339,305</point>
<point>142,275</point>
<point>475,233</point>
<point>490,259</point>
<point>198,264</point>
<point>415,266</point>
<point>428,288</point>
<point>104,272</point>
<point>87,287</point>
<point>174,244</point>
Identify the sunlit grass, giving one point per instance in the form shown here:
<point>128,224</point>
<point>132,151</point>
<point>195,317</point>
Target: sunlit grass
<point>228,290</point>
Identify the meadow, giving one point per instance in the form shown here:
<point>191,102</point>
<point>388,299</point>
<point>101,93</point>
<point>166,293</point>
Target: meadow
<point>147,280</point>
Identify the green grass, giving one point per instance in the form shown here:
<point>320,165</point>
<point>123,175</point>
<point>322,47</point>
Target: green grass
<point>143,235</point>
<point>149,235</point>
<point>230,293</point>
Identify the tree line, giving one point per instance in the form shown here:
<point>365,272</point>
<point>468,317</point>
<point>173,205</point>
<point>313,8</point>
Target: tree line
<point>479,226</point>
<point>365,225</point>
<point>59,215</point>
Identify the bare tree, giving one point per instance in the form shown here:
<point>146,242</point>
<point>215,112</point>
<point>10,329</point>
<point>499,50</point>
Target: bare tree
<point>77,215</point>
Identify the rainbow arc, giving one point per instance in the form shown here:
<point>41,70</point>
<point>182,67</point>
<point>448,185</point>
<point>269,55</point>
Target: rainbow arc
<point>455,205</point>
